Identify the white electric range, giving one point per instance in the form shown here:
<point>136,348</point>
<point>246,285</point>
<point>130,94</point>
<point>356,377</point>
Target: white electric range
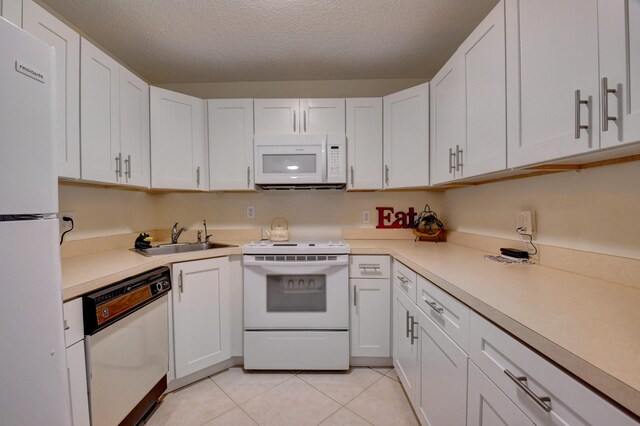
<point>296,305</point>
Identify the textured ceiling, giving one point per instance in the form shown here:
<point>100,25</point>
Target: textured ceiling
<point>173,41</point>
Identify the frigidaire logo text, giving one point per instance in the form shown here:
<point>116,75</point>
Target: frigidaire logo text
<point>36,74</point>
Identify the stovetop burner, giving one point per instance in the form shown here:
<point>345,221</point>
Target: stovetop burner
<point>294,247</point>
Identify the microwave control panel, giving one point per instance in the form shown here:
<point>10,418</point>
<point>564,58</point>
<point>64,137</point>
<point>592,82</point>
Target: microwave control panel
<point>336,166</point>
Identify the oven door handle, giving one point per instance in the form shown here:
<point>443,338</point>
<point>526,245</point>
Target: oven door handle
<point>293,269</point>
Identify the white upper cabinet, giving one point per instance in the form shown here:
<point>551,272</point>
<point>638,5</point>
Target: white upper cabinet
<point>552,79</point>
<point>482,57</point>
<point>406,138</point>
<point>321,116</point>
<point>619,30</point>
<point>178,150</point>
<point>230,144</point>
<point>114,126</point>
<point>364,143</point>
<point>448,133</point>
<point>66,42</point>
<point>294,116</point>
<point>134,129</point>
<point>277,116</point>
<point>101,159</point>
<point>11,10</point>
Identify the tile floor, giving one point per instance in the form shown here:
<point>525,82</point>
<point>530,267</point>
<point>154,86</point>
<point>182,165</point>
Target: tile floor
<point>360,396</point>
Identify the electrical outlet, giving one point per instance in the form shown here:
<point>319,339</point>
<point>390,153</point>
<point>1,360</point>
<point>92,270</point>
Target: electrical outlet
<point>526,221</point>
<point>251,212</point>
<point>65,225</point>
<point>366,216</point>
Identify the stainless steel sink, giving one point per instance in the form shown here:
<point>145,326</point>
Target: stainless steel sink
<point>180,248</point>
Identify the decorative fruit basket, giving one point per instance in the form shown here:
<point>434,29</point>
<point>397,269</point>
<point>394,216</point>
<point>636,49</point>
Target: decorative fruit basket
<point>427,227</point>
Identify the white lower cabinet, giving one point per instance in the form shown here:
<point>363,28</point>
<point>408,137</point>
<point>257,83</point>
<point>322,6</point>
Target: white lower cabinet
<point>442,393</point>
<point>201,314</point>
<point>487,405</point>
<point>405,349</point>
<point>546,394</point>
<point>76,365</point>
<point>370,306</point>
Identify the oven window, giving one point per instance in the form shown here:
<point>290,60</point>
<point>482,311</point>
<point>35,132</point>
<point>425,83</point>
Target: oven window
<point>296,293</point>
<point>289,163</point>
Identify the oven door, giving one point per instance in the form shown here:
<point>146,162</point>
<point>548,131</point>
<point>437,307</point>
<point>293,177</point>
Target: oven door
<point>296,295</point>
<point>290,159</point>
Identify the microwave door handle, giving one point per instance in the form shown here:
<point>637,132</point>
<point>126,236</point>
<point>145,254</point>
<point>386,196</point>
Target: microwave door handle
<point>324,162</point>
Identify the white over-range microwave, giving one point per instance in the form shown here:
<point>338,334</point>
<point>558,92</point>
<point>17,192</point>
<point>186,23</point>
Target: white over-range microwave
<point>300,161</point>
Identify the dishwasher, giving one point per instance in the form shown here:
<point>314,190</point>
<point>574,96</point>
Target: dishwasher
<point>127,347</point>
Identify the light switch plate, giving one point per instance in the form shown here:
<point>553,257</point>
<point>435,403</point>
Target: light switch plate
<point>366,216</point>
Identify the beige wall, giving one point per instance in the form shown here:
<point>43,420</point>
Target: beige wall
<point>310,214</point>
<point>295,89</point>
<point>595,210</point>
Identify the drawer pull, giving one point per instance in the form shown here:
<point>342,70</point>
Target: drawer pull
<point>414,336</point>
<point>522,384</point>
<point>66,325</point>
<point>402,279</point>
<point>366,267</point>
<point>434,306</point>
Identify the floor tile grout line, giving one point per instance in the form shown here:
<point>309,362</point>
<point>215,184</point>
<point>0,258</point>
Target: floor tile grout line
<point>358,415</point>
<point>235,404</point>
<point>278,384</point>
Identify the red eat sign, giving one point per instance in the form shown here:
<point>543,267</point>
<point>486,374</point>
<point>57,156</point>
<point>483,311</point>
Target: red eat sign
<point>388,218</point>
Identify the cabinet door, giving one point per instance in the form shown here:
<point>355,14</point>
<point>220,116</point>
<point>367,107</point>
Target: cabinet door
<point>406,138</point>
<point>619,29</point>
<point>77,371</point>
<point>230,144</point>
<point>134,129</point>
<point>370,317</point>
<point>482,57</point>
<point>177,140</point>
<point>443,376</point>
<point>448,133</point>
<point>320,116</point>
<point>11,10</point>
<point>201,316</point>
<point>364,143</point>
<point>405,348</point>
<point>552,51</point>
<point>488,406</point>
<point>277,116</point>
<point>101,160</point>
<point>52,31</point>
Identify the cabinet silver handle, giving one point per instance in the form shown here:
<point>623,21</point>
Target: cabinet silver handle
<point>249,177</point>
<point>355,296</point>
<point>304,116</point>
<point>406,324</point>
<point>414,336</point>
<point>198,176</point>
<point>521,382</point>
<point>366,266</point>
<point>294,121</point>
<point>580,126</point>
<point>451,155</point>
<point>386,174</point>
<point>66,325</point>
<point>352,181</point>
<point>127,171</point>
<point>181,282</point>
<point>434,306</point>
<point>458,158</point>
<point>119,165</point>
<point>605,104</point>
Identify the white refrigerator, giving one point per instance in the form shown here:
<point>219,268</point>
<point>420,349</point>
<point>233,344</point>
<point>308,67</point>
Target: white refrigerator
<point>34,386</point>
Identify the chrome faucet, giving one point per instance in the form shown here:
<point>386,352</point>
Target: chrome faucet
<point>175,233</point>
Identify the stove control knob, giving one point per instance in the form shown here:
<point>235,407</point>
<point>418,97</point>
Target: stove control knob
<point>159,286</point>
<point>263,243</point>
<point>252,243</point>
<point>330,243</point>
<point>341,243</point>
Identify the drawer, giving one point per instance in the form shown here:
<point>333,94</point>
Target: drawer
<point>405,278</point>
<point>369,267</point>
<point>502,358</point>
<point>451,315</point>
<point>73,322</point>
